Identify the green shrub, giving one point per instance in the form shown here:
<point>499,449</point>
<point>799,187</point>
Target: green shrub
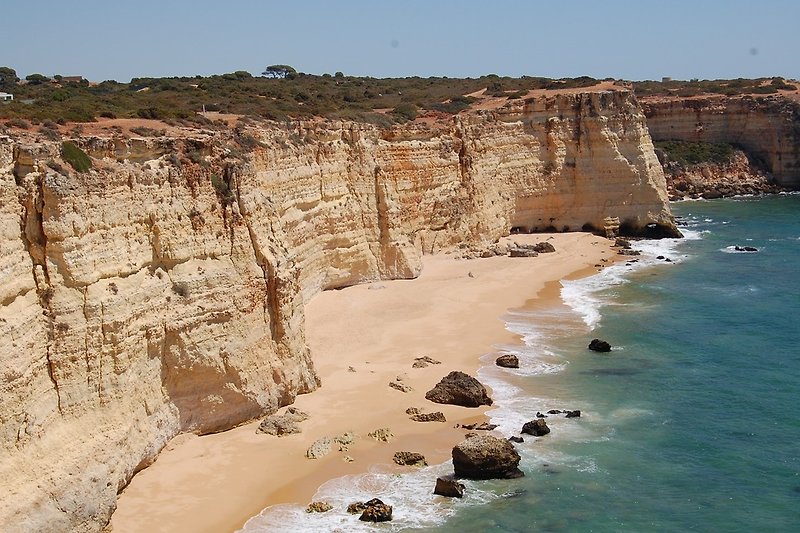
<point>693,153</point>
<point>76,157</point>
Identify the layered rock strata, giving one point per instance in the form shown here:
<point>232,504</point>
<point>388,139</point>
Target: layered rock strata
<point>162,291</point>
<point>767,128</point>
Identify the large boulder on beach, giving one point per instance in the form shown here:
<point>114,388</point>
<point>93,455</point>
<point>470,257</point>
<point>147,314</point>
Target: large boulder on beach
<point>284,424</point>
<point>486,457</point>
<point>537,427</point>
<point>507,361</point>
<point>598,345</point>
<point>448,486</point>
<point>376,511</point>
<point>458,388</point>
<point>544,247</point>
<point>409,459</point>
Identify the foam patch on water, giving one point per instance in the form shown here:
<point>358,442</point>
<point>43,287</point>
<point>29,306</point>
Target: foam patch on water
<point>410,495</point>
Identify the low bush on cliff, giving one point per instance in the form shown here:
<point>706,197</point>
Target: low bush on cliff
<point>76,157</point>
<point>693,153</point>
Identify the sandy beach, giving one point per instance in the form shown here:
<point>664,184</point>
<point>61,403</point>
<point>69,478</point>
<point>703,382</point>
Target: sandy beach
<point>361,339</point>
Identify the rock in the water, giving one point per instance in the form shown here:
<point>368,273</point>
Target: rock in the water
<point>458,388</point>
<point>598,345</point>
<point>554,412</point>
<point>537,427</point>
<point>282,424</point>
<point>745,248</point>
<point>514,438</point>
<point>629,252</point>
<point>381,434</point>
<point>486,457</point>
<point>410,459</point>
<point>448,486</point>
<point>574,414</point>
<point>356,507</point>
<point>507,361</point>
<point>319,507</point>
<point>402,387</point>
<point>622,242</point>
<point>319,448</point>
<point>482,426</point>
<point>376,511</point>
<point>437,416</point>
<point>544,247</point>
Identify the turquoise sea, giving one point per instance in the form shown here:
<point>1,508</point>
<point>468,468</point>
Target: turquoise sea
<point>691,423</point>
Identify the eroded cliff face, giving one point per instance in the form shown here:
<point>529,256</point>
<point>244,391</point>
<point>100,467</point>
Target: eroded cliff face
<point>163,291</point>
<point>767,127</point>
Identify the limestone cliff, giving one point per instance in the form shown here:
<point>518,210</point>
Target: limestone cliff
<point>766,127</point>
<point>163,291</point>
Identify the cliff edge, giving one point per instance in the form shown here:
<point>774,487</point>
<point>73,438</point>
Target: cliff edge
<point>162,291</point>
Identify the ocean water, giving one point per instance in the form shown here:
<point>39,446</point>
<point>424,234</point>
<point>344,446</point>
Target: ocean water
<point>691,423</point>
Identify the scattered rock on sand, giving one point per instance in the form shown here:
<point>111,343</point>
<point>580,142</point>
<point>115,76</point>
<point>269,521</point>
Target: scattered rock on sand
<point>284,424</point>
<point>319,448</point>
<point>537,427</point>
<point>507,361</point>
<point>409,459</point>
<point>319,507</point>
<point>422,362</point>
<point>347,459</point>
<point>458,388</point>
<point>402,387</point>
<point>598,345</point>
<point>486,457</point>
<point>381,434</point>
<point>448,486</point>
<point>345,440</point>
<point>544,247</point>
<point>519,251</point>
<point>437,416</point>
<point>413,411</point>
<point>622,242</point>
<point>376,511</point>
<point>482,426</point>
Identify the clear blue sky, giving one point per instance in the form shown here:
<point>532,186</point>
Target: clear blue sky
<point>644,39</point>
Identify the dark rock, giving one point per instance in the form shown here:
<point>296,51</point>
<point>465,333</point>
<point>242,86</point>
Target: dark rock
<point>540,415</point>
<point>422,362</point>
<point>458,388</point>
<point>356,507</point>
<point>544,247</point>
<point>409,459</point>
<point>376,511</point>
<point>599,346</point>
<point>486,457</point>
<point>522,252</point>
<point>537,427</point>
<point>554,412</point>
<point>574,414</point>
<point>629,252</point>
<point>514,438</point>
<point>438,416</point>
<point>660,257</point>
<point>482,426</point>
<point>448,486</point>
<point>507,361</point>
<point>621,242</point>
<point>319,507</point>
<point>402,387</point>
<point>711,194</point>
<point>413,411</point>
<point>470,434</point>
<point>745,249</point>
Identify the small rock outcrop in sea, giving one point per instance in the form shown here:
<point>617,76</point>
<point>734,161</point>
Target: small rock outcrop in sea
<point>422,362</point>
<point>486,457</point>
<point>514,438</point>
<point>436,416</point>
<point>622,242</point>
<point>319,448</point>
<point>598,345</point>
<point>458,388</point>
<point>409,459</point>
<point>381,434</point>
<point>284,424</point>
<point>537,427</point>
<point>629,252</point>
<point>376,511</point>
<point>448,486</point>
<point>745,248</point>
<point>574,414</point>
<point>480,426</point>
<point>319,507</point>
<point>507,361</point>
<point>356,507</point>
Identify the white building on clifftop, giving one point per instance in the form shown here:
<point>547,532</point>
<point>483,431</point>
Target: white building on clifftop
<point>6,97</point>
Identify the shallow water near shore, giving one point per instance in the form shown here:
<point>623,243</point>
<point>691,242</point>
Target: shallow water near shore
<point>688,424</point>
